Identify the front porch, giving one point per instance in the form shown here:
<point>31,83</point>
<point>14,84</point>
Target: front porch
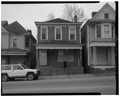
<point>102,59</point>
<point>59,60</point>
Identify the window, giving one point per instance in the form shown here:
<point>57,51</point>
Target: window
<point>106,15</point>
<point>106,31</point>
<point>6,67</point>
<point>17,67</point>
<point>27,41</point>
<point>58,33</point>
<point>98,31</point>
<point>72,33</point>
<point>112,32</point>
<point>44,33</point>
<point>14,42</point>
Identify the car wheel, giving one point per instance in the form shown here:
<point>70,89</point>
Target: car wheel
<point>30,76</point>
<point>4,77</point>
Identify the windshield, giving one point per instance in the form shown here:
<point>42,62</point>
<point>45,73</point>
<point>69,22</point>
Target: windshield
<point>25,67</point>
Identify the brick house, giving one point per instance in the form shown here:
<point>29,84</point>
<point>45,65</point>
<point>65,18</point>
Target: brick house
<point>59,46</point>
<point>98,35</point>
<point>17,45</point>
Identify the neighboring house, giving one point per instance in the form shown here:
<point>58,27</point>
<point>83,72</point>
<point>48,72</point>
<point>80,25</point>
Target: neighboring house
<point>98,35</point>
<point>59,45</point>
<point>17,45</point>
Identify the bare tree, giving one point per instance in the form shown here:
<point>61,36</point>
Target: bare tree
<point>70,10</point>
<point>51,16</point>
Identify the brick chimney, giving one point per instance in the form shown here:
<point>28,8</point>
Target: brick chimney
<point>93,14</point>
<point>75,18</point>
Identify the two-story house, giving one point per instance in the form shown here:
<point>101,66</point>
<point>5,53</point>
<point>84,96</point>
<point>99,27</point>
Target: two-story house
<point>17,45</point>
<point>59,45</point>
<point>98,35</point>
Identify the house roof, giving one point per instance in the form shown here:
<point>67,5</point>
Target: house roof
<point>16,28</point>
<point>58,20</point>
<point>107,4</point>
<point>4,31</point>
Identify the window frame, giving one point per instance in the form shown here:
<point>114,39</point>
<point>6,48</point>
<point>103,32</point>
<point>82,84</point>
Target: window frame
<point>27,41</point>
<point>16,42</point>
<point>104,15</point>
<point>74,33</point>
<point>96,31</point>
<point>46,32</point>
<point>60,33</point>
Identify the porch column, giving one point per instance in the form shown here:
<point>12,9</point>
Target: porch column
<point>37,57</point>
<point>94,55</point>
<point>113,55</point>
<point>80,57</point>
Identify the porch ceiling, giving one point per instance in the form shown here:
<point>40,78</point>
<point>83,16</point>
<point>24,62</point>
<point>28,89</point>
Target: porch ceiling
<point>59,46</point>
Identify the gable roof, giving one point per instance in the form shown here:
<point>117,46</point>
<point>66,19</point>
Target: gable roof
<point>99,20</point>
<point>16,28</point>
<point>58,20</point>
<point>107,4</point>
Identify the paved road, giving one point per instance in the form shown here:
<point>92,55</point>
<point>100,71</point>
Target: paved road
<point>102,84</point>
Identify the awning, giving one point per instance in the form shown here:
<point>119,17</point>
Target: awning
<point>59,46</point>
<point>13,51</point>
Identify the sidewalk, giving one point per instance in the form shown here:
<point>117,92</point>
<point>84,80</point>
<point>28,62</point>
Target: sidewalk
<point>76,76</point>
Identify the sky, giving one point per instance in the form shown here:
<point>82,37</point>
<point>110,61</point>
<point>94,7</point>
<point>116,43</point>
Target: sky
<point>27,14</point>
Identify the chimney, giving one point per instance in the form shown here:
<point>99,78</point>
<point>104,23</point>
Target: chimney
<point>75,18</point>
<point>93,14</point>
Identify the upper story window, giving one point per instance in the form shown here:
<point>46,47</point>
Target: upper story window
<point>44,33</point>
<point>15,42</point>
<point>72,33</point>
<point>106,15</point>
<point>104,30</point>
<point>58,33</point>
<point>27,41</point>
<point>98,31</point>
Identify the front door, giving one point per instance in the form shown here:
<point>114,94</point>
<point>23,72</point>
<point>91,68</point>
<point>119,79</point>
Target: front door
<point>102,56</point>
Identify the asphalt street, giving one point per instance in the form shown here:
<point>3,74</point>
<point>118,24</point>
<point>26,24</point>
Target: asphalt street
<point>106,85</point>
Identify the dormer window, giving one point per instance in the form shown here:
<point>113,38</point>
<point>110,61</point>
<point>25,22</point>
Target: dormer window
<point>106,15</point>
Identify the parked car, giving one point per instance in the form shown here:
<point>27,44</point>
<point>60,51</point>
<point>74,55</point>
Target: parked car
<point>10,72</point>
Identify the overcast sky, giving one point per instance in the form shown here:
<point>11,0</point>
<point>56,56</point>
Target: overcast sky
<point>27,14</point>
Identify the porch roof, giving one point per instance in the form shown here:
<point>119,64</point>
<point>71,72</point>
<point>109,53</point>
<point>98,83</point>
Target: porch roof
<point>107,43</point>
<point>59,46</point>
<point>13,51</point>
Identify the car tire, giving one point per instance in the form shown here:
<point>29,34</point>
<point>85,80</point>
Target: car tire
<point>4,77</point>
<point>30,76</point>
